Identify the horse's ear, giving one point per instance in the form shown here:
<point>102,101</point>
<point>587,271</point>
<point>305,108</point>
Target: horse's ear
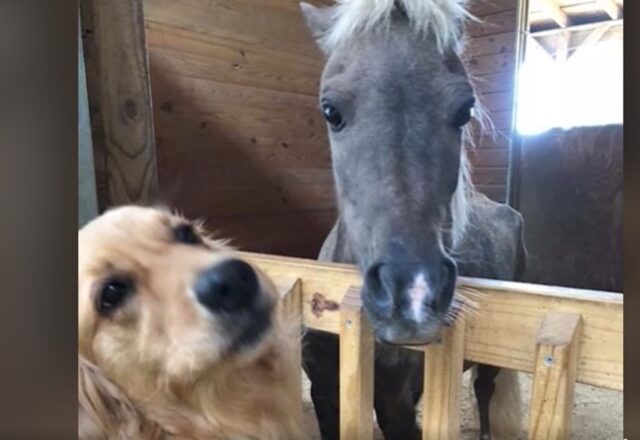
<point>318,21</point>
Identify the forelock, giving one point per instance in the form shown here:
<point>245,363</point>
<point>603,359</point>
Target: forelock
<point>351,18</point>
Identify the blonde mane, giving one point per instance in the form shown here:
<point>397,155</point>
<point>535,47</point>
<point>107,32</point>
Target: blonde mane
<point>353,17</point>
<point>461,202</point>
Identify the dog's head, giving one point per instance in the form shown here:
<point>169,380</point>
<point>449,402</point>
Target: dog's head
<point>160,303</point>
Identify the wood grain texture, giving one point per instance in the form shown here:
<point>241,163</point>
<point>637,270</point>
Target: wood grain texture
<point>290,310</point>
<point>443,362</point>
<point>494,82</point>
<point>276,231</point>
<point>491,44</point>
<point>271,24</point>
<point>498,23</point>
<point>503,331</point>
<point>239,136</point>
<point>490,55</point>
<point>485,64</point>
<point>499,101</point>
<point>356,369</point>
<point>554,377</point>
<point>480,8</point>
<point>120,101</point>
<point>571,200</point>
<point>179,52</point>
<point>489,157</point>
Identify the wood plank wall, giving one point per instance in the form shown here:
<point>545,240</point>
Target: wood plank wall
<point>238,136</point>
<point>240,139</point>
<point>490,56</point>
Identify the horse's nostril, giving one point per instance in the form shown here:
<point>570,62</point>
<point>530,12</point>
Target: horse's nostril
<point>449,280</point>
<point>451,268</point>
<point>379,285</point>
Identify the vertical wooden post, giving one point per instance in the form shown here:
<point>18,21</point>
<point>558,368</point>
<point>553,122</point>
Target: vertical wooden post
<point>554,377</point>
<point>291,307</point>
<point>356,369</point>
<point>441,399</point>
<point>120,101</point>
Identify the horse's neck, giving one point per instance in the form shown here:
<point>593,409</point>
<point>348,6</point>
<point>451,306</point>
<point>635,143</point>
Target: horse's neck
<point>336,246</point>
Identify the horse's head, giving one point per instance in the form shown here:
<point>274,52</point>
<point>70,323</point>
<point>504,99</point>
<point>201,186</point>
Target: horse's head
<point>396,98</point>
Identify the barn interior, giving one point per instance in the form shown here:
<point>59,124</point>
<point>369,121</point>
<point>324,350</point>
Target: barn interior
<point>211,107</point>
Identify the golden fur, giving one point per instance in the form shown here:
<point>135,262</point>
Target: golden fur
<point>159,366</point>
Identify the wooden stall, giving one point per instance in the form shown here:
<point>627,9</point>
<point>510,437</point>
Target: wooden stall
<point>238,136</point>
<point>561,335</point>
<point>211,107</point>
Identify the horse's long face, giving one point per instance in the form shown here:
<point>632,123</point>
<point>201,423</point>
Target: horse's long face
<point>395,107</point>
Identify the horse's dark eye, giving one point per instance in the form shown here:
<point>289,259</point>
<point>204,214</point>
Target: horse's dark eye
<point>333,116</point>
<point>112,295</point>
<point>186,235</point>
<point>464,114</point>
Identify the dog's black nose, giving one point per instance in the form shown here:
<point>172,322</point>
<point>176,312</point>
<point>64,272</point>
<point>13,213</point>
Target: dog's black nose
<point>227,287</point>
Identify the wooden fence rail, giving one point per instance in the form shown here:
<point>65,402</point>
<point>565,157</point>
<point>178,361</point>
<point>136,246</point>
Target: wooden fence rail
<point>561,335</point>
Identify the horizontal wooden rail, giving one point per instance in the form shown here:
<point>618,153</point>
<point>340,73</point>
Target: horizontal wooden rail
<point>504,330</point>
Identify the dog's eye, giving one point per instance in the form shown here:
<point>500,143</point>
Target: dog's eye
<point>464,114</point>
<point>186,235</point>
<point>112,295</point>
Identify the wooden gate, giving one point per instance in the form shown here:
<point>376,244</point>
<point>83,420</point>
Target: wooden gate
<point>561,335</point>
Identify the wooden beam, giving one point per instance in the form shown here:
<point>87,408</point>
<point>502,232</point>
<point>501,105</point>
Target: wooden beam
<point>533,41</point>
<point>356,369</point>
<point>501,333</point>
<point>593,38</point>
<point>575,28</point>
<point>290,292</point>
<point>596,35</point>
<point>441,400</point>
<point>563,46</point>
<point>554,10</point>
<point>120,101</point>
<point>610,7</point>
<point>554,377</point>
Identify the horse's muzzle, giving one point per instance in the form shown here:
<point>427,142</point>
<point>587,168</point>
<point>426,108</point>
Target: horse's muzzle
<point>408,302</point>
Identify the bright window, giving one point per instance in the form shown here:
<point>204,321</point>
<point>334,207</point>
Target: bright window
<point>582,87</point>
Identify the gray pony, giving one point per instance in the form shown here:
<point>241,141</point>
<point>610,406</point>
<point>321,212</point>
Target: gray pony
<point>396,98</point>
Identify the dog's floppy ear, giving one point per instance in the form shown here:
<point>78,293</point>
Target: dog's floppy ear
<point>105,412</point>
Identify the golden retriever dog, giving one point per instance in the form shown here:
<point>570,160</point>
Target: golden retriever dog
<point>178,337</point>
